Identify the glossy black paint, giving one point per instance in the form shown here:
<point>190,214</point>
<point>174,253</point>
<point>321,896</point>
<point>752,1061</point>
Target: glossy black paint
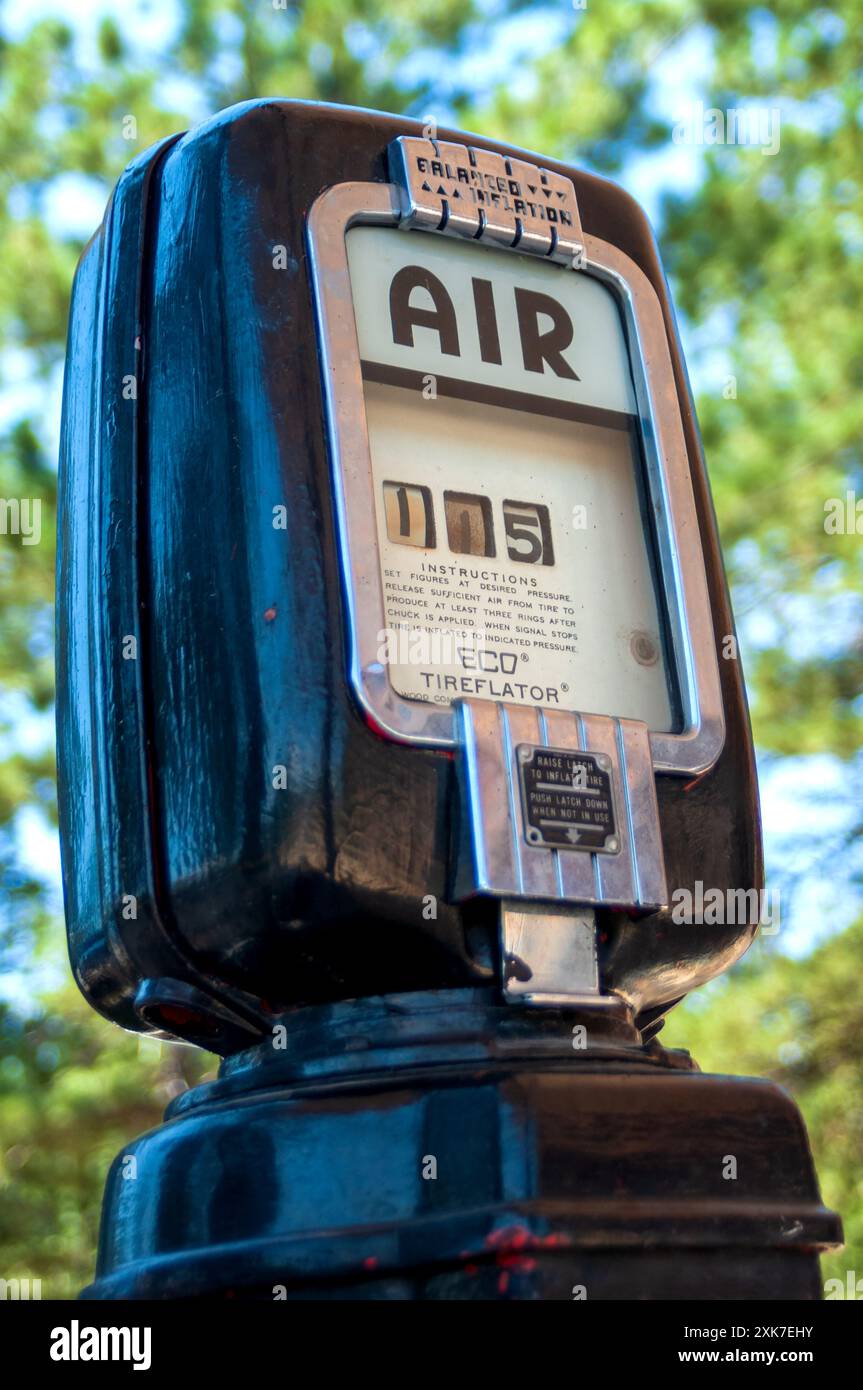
<point>249,899</point>
<point>305,1171</point>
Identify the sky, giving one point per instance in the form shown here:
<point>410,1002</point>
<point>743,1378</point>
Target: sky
<point>804,800</point>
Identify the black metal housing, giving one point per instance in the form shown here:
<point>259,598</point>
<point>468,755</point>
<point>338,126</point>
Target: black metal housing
<point>200,648</point>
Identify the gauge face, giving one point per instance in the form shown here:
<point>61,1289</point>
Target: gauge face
<point>515,545</point>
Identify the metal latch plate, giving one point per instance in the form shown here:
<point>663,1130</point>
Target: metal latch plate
<point>502,857</point>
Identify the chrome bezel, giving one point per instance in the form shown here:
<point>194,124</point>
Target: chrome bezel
<point>681,563</point>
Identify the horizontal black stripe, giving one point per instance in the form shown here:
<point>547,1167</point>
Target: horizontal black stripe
<point>498,395</point>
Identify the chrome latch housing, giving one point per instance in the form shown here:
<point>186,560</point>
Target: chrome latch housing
<point>560,807</point>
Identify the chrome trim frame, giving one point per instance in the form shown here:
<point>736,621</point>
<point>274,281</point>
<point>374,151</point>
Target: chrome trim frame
<point>684,581</point>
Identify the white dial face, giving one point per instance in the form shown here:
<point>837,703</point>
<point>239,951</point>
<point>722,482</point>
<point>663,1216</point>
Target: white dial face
<point>515,549</point>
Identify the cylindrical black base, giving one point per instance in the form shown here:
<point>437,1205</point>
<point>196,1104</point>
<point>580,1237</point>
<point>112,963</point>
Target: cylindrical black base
<point>444,1146</point>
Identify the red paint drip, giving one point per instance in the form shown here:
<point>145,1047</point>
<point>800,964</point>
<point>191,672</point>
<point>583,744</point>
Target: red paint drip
<point>512,1246</point>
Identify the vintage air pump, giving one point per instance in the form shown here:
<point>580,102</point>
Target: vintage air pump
<point>398,707</point>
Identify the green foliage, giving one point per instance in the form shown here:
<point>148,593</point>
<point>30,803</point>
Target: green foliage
<point>799,1023</point>
<point>73,1089</point>
<point>764,253</point>
<point>348,51</point>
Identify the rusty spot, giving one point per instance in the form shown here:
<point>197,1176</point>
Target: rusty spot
<point>644,649</point>
<point>270,614</point>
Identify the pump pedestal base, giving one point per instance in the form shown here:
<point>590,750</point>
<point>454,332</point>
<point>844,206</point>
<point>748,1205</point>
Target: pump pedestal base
<point>447,1146</point>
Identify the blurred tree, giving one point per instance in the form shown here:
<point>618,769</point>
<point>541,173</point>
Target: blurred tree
<point>72,1090</point>
<point>764,254</point>
<point>797,1022</point>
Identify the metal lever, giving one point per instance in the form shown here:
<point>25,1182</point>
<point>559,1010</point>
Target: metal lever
<point>549,955</point>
